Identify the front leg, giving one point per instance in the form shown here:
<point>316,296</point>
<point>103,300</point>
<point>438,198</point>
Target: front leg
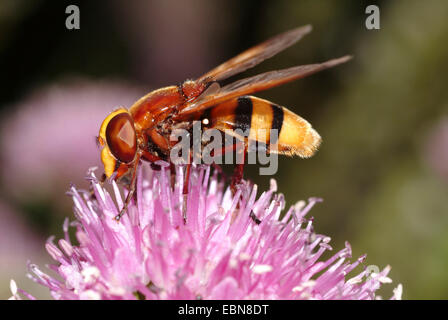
<point>238,173</point>
<point>132,187</point>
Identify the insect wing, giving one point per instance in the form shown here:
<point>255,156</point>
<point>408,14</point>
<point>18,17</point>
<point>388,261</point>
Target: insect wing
<point>256,83</point>
<point>253,56</point>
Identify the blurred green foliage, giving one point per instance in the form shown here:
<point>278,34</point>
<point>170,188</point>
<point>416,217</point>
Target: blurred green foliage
<point>374,113</point>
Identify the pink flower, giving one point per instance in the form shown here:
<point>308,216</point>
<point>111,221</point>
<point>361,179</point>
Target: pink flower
<point>220,253</point>
<point>18,243</point>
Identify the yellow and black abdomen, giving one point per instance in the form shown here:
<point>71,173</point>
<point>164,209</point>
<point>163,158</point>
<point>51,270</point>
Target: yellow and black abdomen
<point>266,122</point>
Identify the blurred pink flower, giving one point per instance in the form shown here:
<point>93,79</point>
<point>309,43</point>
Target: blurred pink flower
<point>50,136</point>
<point>220,253</point>
<point>436,149</point>
<point>16,240</point>
<point>18,244</point>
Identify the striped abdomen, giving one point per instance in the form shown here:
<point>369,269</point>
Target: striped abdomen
<point>257,118</point>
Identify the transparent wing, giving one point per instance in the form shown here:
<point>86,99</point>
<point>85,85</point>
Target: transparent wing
<point>256,83</point>
<point>253,56</point>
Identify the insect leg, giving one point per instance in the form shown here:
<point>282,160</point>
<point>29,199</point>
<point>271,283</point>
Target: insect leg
<point>185,187</point>
<point>172,174</point>
<point>131,189</point>
<point>151,158</point>
<point>187,179</point>
<point>239,170</point>
<point>236,179</point>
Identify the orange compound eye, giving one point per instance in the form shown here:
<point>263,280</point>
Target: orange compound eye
<point>121,137</point>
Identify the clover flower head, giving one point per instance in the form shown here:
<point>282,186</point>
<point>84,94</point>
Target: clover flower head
<point>220,252</point>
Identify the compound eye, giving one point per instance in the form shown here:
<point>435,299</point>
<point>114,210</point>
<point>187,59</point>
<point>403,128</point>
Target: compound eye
<point>121,137</point>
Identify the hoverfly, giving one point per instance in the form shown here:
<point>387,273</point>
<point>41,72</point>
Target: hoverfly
<point>143,132</point>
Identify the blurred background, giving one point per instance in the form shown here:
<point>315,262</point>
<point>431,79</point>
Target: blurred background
<point>382,169</point>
